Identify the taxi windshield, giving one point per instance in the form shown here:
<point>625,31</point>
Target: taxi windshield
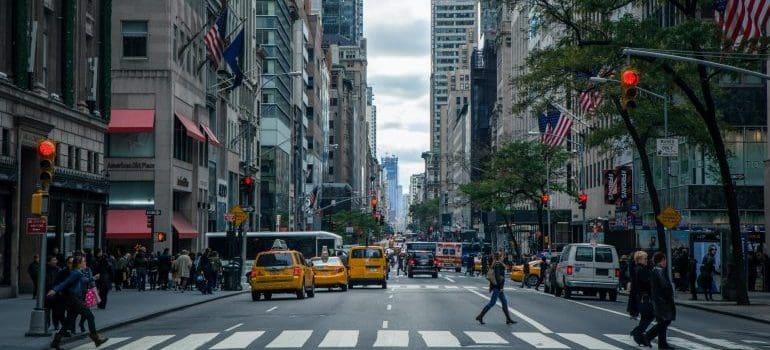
<point>332,260</point>
<point>366,253</point>
<point>274,260</point>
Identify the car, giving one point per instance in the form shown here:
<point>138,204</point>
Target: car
<point>330,273</point>
<point>367,266</point>
<point>280,270</point>
<point>422,263</point>
<point>549,281</point>
<point>517,272</point>
<point>590,269</point>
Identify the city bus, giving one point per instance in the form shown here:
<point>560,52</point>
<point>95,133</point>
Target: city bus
<point>309,243</point>
<point>475,249</point>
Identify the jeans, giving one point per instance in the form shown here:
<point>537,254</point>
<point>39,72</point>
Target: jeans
<point>524,280</point>
<point>76,308</point>
<point>498,293</point>
<point>141,279</point>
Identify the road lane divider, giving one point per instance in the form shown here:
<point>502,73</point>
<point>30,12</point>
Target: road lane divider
<point>384,324</point>
<point>449,279</point>
<point>233,327</point>
<point>389,307</point>
<point>271,309</point>
<point>539,326</point>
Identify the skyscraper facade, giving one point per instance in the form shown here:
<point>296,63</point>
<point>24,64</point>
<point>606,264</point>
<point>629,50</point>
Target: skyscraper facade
<point>343,21</point>
<point>390,165</point>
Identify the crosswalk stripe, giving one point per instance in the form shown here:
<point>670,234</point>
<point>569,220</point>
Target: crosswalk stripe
<point>340,339</point>
<point>587,341</point>
<point>146,342</point>
<point>192,341</point>
<point>439,339</point>
<point>486,338</point>
<point>451,287</point>
<point>539,340</point>
<point>686,344</point>
<point>622,338</point>
<point>238,340</point>
<point>412,286</point>
<point>719,342</point>
<point>110,342</point>
<point>470,287</point>
<point>760,342</point>
<point>290,339</point>
<point>392,339</point>
<point>431,286</point>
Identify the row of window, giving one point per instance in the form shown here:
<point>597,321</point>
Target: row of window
<point>455,8</point>
<point>76,158</point>
<point>455,23</point>
<point>5,142</point>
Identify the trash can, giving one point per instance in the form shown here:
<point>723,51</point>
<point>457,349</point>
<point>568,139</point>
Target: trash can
<point>231,279</point>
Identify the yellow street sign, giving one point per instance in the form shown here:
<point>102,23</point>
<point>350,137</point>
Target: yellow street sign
<point>239,216</point>
<point>669,217</point>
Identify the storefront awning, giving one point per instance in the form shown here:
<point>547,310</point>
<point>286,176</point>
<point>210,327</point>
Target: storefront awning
<point>210,134</point>
<point>183,227</point>
<point>192,129</point>
<point>127,224</point>
<point>123,121</point>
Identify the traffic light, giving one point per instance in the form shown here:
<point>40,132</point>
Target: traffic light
<point>161,237</point>
<point>39,204</point>
<point>46,151</point>
<point>544,200</point>
<point>247,184</point>
<point>582,200</point>
<point>629,79</point>
<point>374,207</point>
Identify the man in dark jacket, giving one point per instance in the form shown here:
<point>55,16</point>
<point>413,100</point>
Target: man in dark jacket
<point>140,264</point>
<point>33,270</point>
<point>51,271</point>
<point>662,302</point>
<point>496,287</point>
<point>104,269</point>
<point>164,267</point>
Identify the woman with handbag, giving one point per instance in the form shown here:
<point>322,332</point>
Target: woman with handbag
<point>496,278</point>
<point>78,299</point>
<point>641,291</point>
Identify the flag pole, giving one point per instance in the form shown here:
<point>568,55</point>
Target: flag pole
<point>203,27</point>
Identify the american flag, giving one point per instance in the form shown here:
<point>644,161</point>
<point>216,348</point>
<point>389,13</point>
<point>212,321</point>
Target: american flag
<point>742,19</point>
<point>215,39</point>
<point>313,196</point>
<point>554,127</point>
<point>591,98</point>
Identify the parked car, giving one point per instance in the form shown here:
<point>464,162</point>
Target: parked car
<point>549,281</point>
<point>590,269</point>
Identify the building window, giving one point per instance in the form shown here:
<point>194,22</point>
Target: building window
<point>331,124</point>
<point>5,143</point>
<point>333,102</point>
<point>132,145</point>
<point>90,162</point>
<point>331,170</point>
<point>182,143</point>
<point>134,39</point>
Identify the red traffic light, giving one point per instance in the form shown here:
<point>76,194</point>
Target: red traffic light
<point>582,198</point>
<point>248,180</point>
<point>629,77</point>
<point>544,199</point>
<point>46,148</point>
<point>374,202</point>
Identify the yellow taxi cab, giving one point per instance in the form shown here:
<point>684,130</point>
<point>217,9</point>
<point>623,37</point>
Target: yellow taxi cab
<point>280,270</point>
<point>367,266</point>
<point>517,272</point>
<point>476,263</point>
<point>330,272</point>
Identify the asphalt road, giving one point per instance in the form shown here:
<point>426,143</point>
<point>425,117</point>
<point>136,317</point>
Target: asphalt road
<point>421,313</point>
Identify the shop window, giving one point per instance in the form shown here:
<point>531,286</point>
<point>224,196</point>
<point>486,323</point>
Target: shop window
<point>133,145</point>
<point>132,194</point>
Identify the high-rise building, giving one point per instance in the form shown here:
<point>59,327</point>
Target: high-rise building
<point>390,166</point>
<point>371,119</point>
<point>343,21</point>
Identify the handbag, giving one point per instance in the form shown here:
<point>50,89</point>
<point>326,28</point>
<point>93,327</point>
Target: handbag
<point>92,298</point>
<point>491,276</point>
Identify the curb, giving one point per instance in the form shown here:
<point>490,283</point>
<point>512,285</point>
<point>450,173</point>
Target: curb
<point>708,309</point>
<point>149,316</point>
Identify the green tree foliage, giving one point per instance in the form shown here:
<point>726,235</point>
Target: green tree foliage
<point>424,214</point>
<point>361,222</point>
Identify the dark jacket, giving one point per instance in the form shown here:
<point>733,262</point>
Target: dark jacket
<point>499,269</point>
<point>164,262</point>
<point>642,287</point>
<point>662,295</point>
<point>75,285</point>
<point>633,306</point>
<point>50,276</point>
<point>105,270</point>
<point>140,261</point>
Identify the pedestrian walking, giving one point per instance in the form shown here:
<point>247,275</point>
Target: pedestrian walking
<point>707,270</point>
<point>469,265</point>
<point>164,267</point>
<point>62,262</point>
<point>525,274</point>
<point>74,290</point>
<point>543,269</point>
<point>33,269</point>
<point>121,271</point>
<point>184,264</point>
<point>752,264</point>
<point>692,277</point>
<point>105,271</point>
<point>641,297</point>
<point>216,270</point>
<point>91,279</point>
<point>140,265</point>
<point>152,270</point>
<point>633,307</point>
<point>400,262</point>
<point>662,302</point>
<point>57,302</point>
<point>496,278</point>
<point>51,271</point>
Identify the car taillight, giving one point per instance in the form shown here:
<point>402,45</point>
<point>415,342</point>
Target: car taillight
<point>340,269</point>
<point>297,271</point>
<point>569,270</point>
<point>617,273</point>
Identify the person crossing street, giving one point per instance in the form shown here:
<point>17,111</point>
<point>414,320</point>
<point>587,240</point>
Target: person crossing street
<point>662,302</point>
<point>496,277</point>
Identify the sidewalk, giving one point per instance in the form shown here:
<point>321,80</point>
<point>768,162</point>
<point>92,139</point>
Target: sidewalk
<point>759,310</point>
<point>123,307</point>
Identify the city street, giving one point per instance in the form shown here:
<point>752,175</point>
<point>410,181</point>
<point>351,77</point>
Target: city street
<point>421,313</point>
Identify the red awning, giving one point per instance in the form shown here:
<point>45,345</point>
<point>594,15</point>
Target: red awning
<point>183,226</point>
<point>210,134</point>
<point>192,129</point>
<point>127,224</point>
<point>124,121</point>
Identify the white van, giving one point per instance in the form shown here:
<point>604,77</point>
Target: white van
<point>590,269</point>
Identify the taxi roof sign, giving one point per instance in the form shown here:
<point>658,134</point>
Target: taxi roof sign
<point>279,244</point>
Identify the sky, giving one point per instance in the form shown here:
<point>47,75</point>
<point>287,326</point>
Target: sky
<point>398,40</point>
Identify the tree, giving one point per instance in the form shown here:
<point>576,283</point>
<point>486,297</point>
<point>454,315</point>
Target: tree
<point>515,176</point>
<point>362,224</point>
<point>593,36</point>
<point>424,214</point>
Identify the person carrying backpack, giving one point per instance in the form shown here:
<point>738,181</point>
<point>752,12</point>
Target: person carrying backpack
<point>496,278</point>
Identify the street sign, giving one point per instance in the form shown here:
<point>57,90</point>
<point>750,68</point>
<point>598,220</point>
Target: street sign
<point>239,215</point>
<point>349,229</point>
<point>634,208</point>
<point>152,212</point>
<point>37,226</point>
<point>669,217</point>
<point>229,217</point>
<point>667,147</point>
<point>248,209</point>
<point>738,177</point>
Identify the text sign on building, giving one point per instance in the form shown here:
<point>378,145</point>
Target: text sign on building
<point>37,226</point>
<point>667,147</point>
<point>618,186</point>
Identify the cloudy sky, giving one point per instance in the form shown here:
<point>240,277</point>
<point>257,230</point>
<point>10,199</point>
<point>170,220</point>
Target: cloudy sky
<point>398,35</point>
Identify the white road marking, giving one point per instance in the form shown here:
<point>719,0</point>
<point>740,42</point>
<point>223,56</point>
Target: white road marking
<point>451,287</point>
<point>439,339</point>
<point>470,287</point>
<point>146,342</point>
<point>239,340</point>
<point>392,339</point>
<point>413,286</point>
<point>719,342</point>
<point>431,286</point>
<point>755,342</point>
<point>486,338</point>
<point>233,327</point>
<point>385,324</point>
<point>191,342</point>
<point>539,340</point>
<point>271,309</point>
<point>587,341</point>
<point>391,296</point>
<point>290,339</point>
<point>110,342</point>
<point>540,327</point>
<point>340,339</point>
<point>686,344</point>
<point>623,338</point>
<point>390,307</point>
<point>449,279</point>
